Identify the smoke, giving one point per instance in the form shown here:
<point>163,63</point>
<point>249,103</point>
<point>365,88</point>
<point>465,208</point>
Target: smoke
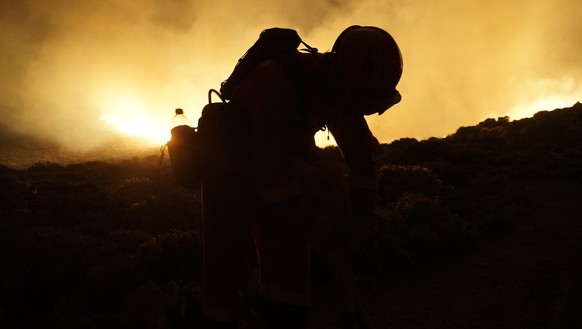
<point>67,64</point>
<point>468,61</point>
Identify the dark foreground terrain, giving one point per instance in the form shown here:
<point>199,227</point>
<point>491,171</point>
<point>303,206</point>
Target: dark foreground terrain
<point>481,229</point>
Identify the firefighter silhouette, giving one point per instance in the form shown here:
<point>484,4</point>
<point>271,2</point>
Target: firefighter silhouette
<point>288,195</point>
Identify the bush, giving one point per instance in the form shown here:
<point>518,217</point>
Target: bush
<point>98,244</point>
<point>394,181</point>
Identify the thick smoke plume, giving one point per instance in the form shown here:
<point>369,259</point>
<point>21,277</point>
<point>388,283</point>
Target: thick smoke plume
<point>70,68</point>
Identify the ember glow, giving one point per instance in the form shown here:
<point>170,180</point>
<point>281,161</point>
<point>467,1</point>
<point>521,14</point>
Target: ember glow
<point>139,127</point>
<point>544,95</point>
<point>128,115</point>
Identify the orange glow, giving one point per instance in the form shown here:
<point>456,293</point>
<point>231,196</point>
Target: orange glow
<point>544,103</point>
<point>546,95</point>
<point>96,70</point>
<point>129,116</point>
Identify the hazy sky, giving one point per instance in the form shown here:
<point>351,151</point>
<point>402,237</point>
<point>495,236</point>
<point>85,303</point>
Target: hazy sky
<point>71,68</point>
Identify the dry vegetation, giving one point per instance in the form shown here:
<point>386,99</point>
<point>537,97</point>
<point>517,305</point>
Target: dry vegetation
<point>117,244</point>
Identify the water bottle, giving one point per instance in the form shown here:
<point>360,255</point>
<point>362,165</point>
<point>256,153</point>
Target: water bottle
<point>180,119</point>
<point>180,128</point>
<point>183,150</point>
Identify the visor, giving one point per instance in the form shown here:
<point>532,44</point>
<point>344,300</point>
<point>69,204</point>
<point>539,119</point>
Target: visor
<point>372,101</point>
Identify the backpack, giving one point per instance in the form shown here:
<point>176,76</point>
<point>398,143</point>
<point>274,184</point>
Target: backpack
<point>221,127</point>
<point>275,43</point>
<point>218,138</point>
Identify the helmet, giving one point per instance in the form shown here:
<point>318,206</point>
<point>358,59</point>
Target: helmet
<point>369,64</point>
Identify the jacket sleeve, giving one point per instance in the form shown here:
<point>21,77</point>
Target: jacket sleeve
<point>358,146</point>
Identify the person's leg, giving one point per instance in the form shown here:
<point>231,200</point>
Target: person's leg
<point>331,235</point>
<point>227,211</point>
<point>283,255</point>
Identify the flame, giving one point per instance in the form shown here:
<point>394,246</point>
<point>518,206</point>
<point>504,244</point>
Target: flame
<point>546,95</point>
<point>544,103</point>
<point>129,116</point>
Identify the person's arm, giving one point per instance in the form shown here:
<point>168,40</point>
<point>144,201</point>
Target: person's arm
<point>358,146</point>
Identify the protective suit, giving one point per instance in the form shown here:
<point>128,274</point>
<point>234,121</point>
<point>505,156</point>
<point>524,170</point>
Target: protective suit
<point>277,187</point>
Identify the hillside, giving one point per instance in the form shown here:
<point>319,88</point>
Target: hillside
<point>481,229</point>
<point>485,227</point>
<point>545,146</point>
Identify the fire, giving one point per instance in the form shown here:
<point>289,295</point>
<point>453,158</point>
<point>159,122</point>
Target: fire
<point>137,127</point>
<point>546,95</point>
<point>544,103</point>
<point>129,116</point>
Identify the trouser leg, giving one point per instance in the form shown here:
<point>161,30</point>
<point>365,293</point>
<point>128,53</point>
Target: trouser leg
<point>283,255</point>
<point>227,234</point>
